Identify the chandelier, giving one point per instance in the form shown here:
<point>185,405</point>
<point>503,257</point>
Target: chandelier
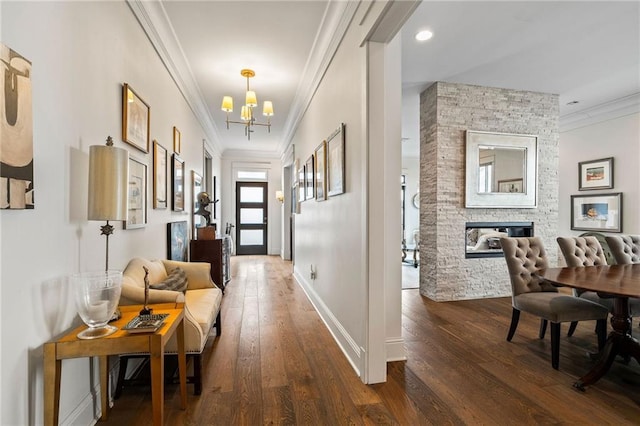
<point>246,113</point>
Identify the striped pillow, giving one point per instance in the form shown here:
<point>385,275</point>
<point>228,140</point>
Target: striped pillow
<point>176,281</point>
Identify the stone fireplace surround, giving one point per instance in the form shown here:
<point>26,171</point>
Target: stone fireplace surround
<point>447,111</point>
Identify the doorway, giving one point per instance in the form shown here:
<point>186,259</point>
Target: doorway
<point>251,218</point>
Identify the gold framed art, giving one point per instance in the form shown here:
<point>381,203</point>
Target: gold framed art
<point>136,119</point>
<point>159,176</point>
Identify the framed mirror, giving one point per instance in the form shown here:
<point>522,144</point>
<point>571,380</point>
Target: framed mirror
<point>501,170</point>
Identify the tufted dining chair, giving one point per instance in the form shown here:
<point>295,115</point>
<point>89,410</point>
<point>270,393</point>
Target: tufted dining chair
<point>531,294</point>
<point>625,248</point>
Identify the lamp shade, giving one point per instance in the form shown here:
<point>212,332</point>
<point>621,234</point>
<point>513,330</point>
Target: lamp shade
<point>251,99</point>
<point>267,108</point>
<point>227,104</point>
<point>245,113</point>
<point>108,176</point>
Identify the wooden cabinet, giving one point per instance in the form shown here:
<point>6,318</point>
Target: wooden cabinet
<point>210,251</point>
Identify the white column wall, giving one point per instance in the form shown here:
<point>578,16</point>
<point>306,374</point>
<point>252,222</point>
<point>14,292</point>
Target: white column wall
<point>82,53</point>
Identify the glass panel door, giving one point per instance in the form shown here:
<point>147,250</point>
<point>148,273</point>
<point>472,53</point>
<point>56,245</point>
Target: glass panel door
<point>251,217</point>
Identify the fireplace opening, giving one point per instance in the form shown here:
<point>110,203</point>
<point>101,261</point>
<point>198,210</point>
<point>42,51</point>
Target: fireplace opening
<point>482,239</point>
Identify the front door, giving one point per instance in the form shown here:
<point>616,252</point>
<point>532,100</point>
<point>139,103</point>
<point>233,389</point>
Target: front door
<point>251,218</point>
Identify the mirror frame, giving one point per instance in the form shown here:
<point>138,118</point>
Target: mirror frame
<point>529,198</point>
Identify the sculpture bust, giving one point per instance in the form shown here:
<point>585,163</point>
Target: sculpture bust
<point>203,202</point>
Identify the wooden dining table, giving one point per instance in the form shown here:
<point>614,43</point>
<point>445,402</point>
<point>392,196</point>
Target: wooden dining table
<point>619,281</point>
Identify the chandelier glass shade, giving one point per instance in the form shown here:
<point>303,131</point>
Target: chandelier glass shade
<point>247,117</point>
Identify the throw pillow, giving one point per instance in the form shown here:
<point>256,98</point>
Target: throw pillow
<point>176,281</point>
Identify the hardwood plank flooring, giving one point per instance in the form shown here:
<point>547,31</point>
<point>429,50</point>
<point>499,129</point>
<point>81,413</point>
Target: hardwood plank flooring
<point>276,363</point>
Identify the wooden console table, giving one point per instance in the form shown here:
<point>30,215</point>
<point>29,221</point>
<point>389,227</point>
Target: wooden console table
<point>121,342</point>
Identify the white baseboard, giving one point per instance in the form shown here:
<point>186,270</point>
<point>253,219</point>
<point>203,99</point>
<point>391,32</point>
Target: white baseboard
<point>354,353</point>
<point>395,350</point>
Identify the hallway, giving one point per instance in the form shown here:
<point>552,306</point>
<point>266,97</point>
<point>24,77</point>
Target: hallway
<point>276,363</point>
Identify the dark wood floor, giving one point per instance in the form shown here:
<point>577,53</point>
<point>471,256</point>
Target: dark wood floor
<point>276,363</point>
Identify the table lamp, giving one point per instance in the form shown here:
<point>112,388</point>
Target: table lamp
<point>108,176</point>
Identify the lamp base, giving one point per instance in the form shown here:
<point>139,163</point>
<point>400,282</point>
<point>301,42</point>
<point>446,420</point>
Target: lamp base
<point>97,332</point>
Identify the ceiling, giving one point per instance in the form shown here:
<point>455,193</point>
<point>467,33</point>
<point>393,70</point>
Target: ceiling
<point>584,51</point>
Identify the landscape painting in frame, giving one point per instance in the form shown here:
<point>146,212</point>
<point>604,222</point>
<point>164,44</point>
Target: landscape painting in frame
<point>178,241</point>
<point>16,132</point>
<point>602,212</point>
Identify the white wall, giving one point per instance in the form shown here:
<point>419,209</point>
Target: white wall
<point>618,138</point>
<point>81,53</point>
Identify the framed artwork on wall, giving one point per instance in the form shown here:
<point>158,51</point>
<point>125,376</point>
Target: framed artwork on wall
<point>601,212</point>
<point>177,140</point>
<point>137,200</point>
<point>309,179</point>
<point>177,183</point>
<point>595,174</point>
<point>159,176</point>
<point>178,241</point>
<point>16,132</point>
<point>336,162</point>
<point>321,171</point>
<point>301,183</point>
<point>196,187</point>
<point>136,118</point>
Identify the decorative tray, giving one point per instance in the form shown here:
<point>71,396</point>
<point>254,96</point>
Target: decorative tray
<point>145,323</point>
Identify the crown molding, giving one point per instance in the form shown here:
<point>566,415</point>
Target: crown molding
<point>334,25</point>
<point>603,112</point>
<point>156,24</point>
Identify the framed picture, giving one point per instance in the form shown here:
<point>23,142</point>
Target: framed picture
<point>335,162</point>
<point>196,188</point>
<point>595,174</point>
<point>295,184</point>
<point>159,176</point>
<point>177,179</point>
<point>301,183</point>
<point>321,171</point>
<point>177,141</point>
<point>136,118</point>
<point>16,132</point>
<point>178,241</point>
<point>308,178</point>
<point>137,199</point>
<point>510,185</point>
<point>602,212</point>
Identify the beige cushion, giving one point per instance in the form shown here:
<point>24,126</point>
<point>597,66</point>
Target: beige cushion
<point>198,273</point>
<point>559,308</point>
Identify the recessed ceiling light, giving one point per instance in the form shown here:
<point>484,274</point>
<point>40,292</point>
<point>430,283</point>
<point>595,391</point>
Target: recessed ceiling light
<point>424,35</point>
<point>573,102</point>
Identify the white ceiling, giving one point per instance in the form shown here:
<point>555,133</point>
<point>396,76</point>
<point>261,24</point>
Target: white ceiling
<point>585,51</point>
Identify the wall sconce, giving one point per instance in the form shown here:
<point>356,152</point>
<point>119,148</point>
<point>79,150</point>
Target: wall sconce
<point>280,196</point>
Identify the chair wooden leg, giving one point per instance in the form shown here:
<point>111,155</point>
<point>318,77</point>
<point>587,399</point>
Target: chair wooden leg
<point>197,374</point>
<point>601,331</point>
<point>124,360</point>
<point>543,328</point>
<point>515,317</point>
<point>555,344</point>
<point>572,328</point>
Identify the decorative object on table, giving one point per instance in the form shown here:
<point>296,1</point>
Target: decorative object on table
<point>595,174</point>
<point>601,212</point>
<point>202,201</point>
<point>145,308</point>
<point>336,162</point>
<point>136,119</point>
<point>177,179</point>
<point>159,176</point>
<point>97,295</point>
<point>137,201</point>
<point>197,219</point>
<point>16,132</point>
<point>248,120</point>
<point>320,167</point>
<point>495,165</point>
<point>178,241</point>
<point>177,140</point>
<point>108,177</point>
<point>145,323</point>
<point>308,179</point>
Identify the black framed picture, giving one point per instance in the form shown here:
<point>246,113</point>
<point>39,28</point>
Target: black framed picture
<point>601,212</point>
<point>595,174</point>
<point>177,179</point>
<point>178,241</point>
